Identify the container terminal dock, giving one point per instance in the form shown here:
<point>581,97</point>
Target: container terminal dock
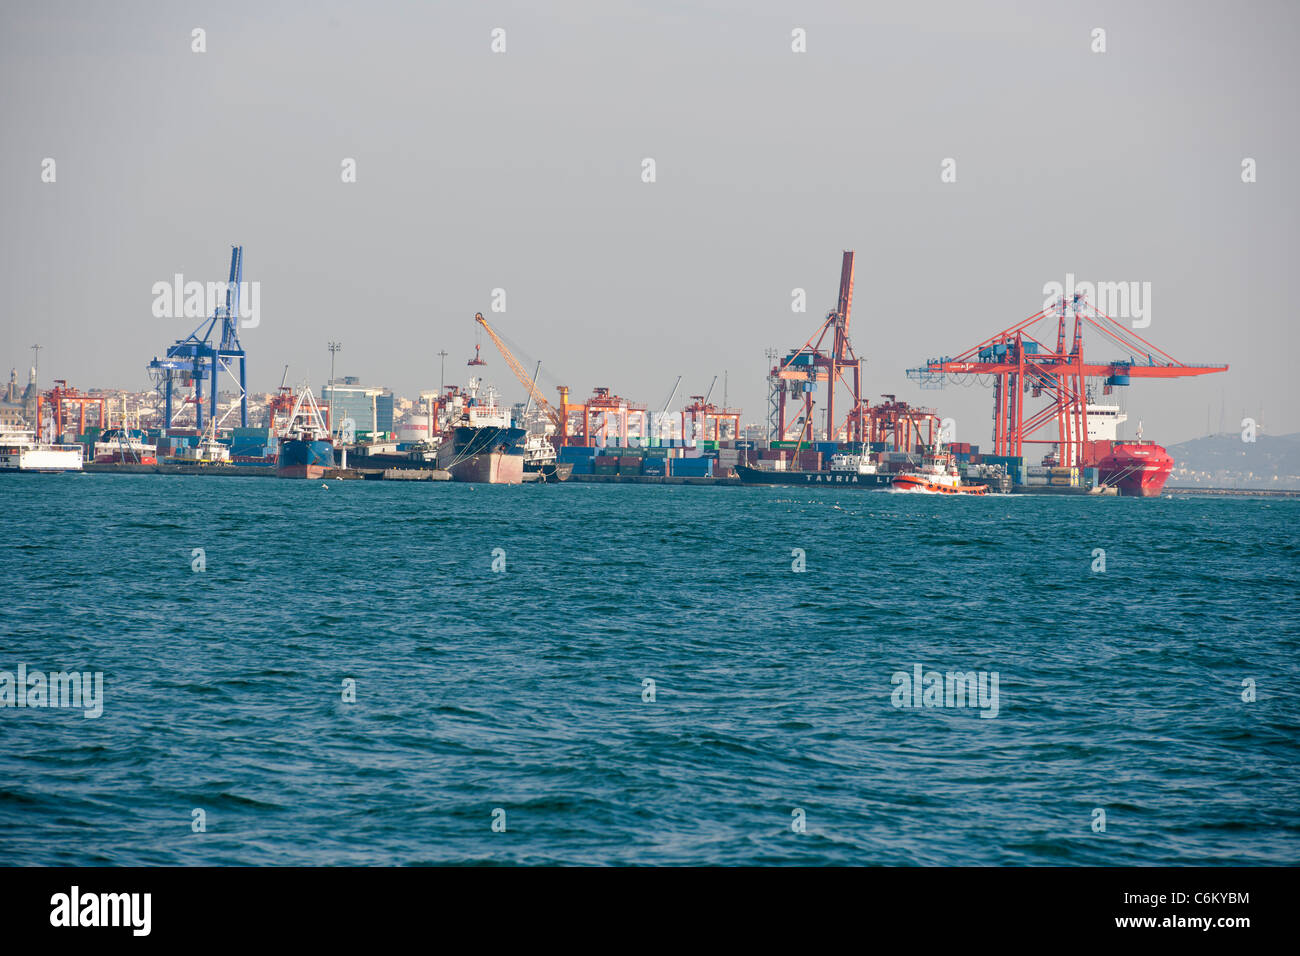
<point>1055,429</point>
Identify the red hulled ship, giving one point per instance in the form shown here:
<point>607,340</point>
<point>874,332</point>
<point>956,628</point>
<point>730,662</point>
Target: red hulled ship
<point>1138,468</point>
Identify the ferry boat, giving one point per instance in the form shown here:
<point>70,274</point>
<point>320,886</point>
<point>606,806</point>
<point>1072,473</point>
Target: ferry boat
<point>125,446</point>
<point>20,451</point>
<point>306,446</point>
<point>937,475</point>
<point>482,443</point>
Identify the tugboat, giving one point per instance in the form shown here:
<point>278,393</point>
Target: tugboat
<point>306,446</point>
<point>936,476</point>
<point>539,456</point>
<point>483,443</point>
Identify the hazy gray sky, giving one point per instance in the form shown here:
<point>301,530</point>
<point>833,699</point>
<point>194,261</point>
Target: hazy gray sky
<point>522,171</point>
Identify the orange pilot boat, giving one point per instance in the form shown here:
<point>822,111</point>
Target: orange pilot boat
<point>936,476</point>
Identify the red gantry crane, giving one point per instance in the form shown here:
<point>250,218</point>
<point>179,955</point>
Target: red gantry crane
<point>1023,366</point>
<point>828,357</point>
<point>57,401</point>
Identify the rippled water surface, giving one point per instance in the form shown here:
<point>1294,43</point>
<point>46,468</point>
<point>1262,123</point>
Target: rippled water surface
<point>523,690</point>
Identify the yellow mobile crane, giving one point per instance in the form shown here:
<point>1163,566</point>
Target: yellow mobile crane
<point>522,375</point>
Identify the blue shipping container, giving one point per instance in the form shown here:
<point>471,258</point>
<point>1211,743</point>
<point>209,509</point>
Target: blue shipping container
<point>693,467</point>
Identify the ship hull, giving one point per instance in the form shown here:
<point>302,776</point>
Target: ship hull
<point>551,470</point>
<point>918,484</point>
<point>130,457</point>
<point>41,460</point>
<point>838,479</point>
<point>473,441</point>
<point>1136,470</point>
<point>304,459</point>
<point>490,468</point>
<point>485,455</point>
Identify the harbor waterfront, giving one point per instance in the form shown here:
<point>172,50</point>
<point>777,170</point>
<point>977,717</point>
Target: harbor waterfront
<point>770,622</point>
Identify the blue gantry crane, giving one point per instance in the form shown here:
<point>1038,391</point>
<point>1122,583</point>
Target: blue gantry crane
<point>194,364</point>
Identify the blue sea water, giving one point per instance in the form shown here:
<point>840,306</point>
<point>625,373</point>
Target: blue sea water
<point>523,690</point>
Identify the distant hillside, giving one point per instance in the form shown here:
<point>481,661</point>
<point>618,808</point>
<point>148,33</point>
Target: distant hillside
<point>1225,461</point>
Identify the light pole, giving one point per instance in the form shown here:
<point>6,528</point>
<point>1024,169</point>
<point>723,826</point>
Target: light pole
<point>442,376</point>
<point>334,348</point>
<point>36,364</point>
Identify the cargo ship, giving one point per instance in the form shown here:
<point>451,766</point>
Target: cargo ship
<point>124,446</point>
<point>843,470</point>
<point>306,446</point>
<point>420,455</point>
<point>1136,468</point>
<point>482,444</point>
<point>20,451</point>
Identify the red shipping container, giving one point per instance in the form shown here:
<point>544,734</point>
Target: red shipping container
<point>606,460</point>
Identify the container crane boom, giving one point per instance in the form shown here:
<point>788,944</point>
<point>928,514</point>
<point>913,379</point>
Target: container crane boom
<point>520,374</point>
<point>1023,366</point>
<point>671,396</point>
